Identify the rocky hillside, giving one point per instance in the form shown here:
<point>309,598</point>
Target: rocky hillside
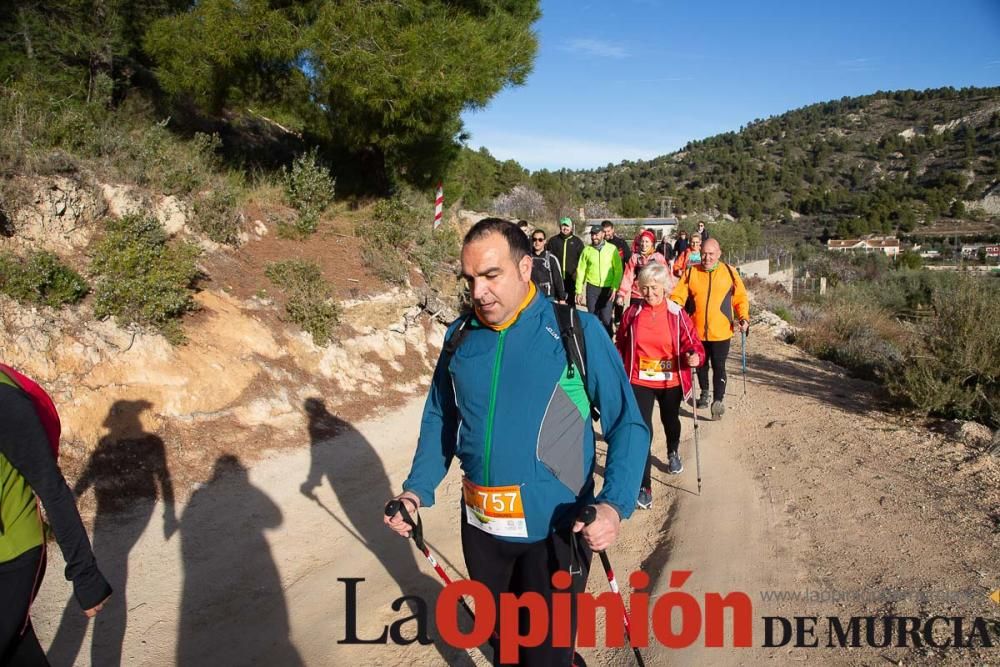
<point>241,380</point>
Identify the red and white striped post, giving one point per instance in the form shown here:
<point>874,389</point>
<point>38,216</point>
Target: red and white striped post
<point>438,205</point>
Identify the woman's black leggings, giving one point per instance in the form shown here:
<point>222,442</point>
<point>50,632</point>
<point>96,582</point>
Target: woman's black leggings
<point>19,581</point>
<point>670,405</point>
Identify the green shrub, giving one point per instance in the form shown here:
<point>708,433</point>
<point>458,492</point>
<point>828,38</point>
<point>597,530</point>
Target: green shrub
<point>310,301</point>
<point>954,364</point>
<point>216,215</point>
<point>397,232</point>
<point>40,278</point>
<point>309,188</point>
<point>141,277</point>
<point>932,338</point>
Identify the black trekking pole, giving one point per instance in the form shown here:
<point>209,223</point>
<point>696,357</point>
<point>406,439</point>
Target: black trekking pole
<point>697,450</point>
<point>587,516</point>
<point>417,532</point>
<point>743,349</point>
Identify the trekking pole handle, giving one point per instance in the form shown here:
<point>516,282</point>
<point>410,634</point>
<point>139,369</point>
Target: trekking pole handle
<point>588,515</point>
<point>395,505</point>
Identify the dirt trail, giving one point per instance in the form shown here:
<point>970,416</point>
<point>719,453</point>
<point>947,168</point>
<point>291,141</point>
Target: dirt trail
<point>805,486</point>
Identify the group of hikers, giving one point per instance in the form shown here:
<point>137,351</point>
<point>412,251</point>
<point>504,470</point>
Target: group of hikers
<point>521,378</point>
<point>515,391</point>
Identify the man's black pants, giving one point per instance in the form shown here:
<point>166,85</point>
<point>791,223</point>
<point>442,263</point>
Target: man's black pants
<point>599,302</point>
<point>715,353</point>
<point>516,567</point>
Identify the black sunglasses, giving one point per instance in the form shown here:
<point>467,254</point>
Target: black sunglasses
<point>539,239</point>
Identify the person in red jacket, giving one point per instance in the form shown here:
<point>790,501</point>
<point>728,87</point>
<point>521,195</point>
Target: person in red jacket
<point>644,253</point>
<point>659,347</point>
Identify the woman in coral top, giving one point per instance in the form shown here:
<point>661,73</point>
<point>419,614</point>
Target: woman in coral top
<point>643,254</point>
<point>659,347</point>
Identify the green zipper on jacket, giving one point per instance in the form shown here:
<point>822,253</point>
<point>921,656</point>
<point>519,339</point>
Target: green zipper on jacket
<point>565,243</point>
<point>493,404</point>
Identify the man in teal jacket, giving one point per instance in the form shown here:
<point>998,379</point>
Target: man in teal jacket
<point>600,269</point>
<point>518,419</point>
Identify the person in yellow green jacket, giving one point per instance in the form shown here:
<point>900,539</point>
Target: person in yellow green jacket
<point>600,271</point>
<point>713,293</point>
<point>30,479</point>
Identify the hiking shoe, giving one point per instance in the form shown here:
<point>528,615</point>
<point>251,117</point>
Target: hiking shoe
<point>645,500</point>
<point>674,465</point>
<point>702,401</point>
<point>718,409</point>
<point>578,660</point>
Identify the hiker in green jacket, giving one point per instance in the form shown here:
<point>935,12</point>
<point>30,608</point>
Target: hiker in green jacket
<point>600,270</point>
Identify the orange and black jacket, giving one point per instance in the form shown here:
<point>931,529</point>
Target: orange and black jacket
<point>720,300</point>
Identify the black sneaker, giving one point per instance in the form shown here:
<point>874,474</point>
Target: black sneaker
<point>702,401</point>
<point>645,500</point>
<point>578,660</point>
<point>718,409</point>
<point>674,465</point>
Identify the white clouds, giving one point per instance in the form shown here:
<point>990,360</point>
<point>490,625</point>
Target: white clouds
<point>551,152</point>
<point>857,64</point>
<point>597,48</point>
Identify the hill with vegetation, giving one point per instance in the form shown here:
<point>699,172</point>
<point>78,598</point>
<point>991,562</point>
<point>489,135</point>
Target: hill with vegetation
<point>886,162</point>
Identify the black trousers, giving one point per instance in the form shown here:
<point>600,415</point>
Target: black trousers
<point>715,354</point>
<point>599,302</point>
<point>569,283</point>
<point>515,567</point>
<point>670,405</point>
<point>19,582</point>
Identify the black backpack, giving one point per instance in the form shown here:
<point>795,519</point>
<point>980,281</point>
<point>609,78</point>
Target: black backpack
<point>570,333</point>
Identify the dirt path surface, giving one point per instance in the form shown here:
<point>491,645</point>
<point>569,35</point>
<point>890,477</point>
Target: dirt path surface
<point>807,488</point>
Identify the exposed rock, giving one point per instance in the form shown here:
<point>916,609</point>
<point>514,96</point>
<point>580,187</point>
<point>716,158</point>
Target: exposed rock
<point>776,326</point>
<point>975,434</point>
<point>60,216</point>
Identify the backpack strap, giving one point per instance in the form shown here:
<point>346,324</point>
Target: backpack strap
<point>732,278</point>
<point>455,340</point>
<point>575,345</point>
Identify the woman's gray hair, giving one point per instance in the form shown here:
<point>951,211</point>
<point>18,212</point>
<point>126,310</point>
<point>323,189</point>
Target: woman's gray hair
<point>654,272</point>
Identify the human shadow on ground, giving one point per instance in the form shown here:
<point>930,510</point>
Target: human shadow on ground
<point>358,478</point>
<point>128,472</point>
<point>233,609</point>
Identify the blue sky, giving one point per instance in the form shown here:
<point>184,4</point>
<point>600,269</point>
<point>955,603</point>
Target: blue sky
<point>631,79</point>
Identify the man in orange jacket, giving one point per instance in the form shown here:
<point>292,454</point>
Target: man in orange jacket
<point>716,298</point>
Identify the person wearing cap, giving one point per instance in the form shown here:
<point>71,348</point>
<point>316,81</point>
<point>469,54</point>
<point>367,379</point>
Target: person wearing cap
<point>600,272</point>
<point>567,248</point>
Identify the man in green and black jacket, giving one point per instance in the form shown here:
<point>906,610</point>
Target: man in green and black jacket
<point>567,248</point>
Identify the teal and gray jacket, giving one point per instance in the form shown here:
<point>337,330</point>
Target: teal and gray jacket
<point>506,408</point>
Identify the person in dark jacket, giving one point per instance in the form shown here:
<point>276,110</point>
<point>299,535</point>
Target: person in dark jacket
<point>546,272</point>
<point>624,252</point>
<point>28,470</point>
<point>681,244</point>
<point>567,248</point>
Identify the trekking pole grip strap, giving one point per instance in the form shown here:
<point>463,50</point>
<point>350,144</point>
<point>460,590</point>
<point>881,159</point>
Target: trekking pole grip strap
<point>396,506</point>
